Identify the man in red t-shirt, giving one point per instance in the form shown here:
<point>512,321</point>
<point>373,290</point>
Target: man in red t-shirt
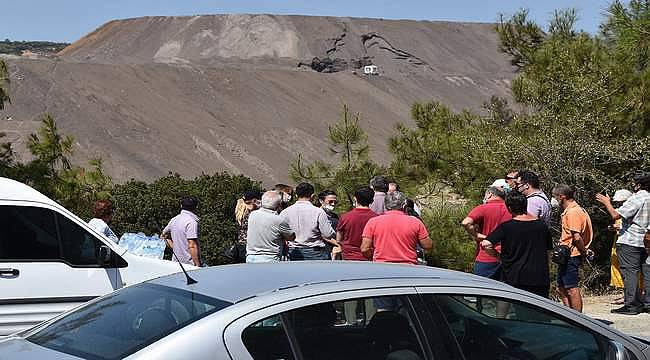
<point>480,222</point>
<point>350,226</point>
<point>393,236</point>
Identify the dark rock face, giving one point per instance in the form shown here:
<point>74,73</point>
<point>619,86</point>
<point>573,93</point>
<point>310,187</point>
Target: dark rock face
<point>327,65</point>
<point>222,93</point>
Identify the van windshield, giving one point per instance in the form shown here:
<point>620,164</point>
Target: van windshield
<point>124,322</point>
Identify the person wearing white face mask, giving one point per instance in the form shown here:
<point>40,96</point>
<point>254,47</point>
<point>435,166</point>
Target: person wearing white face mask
<point>539,204</point>
<point>286,193</point>
<point>328,200</point>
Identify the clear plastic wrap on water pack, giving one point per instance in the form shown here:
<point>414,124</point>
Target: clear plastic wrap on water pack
<point>143,245</point>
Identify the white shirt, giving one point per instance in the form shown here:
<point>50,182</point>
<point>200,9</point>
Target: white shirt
<point>101,227</point>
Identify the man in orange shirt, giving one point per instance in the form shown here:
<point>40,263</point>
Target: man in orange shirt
<point>577,233</point>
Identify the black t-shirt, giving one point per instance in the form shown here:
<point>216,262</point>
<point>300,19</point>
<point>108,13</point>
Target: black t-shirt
<point>524,251</point>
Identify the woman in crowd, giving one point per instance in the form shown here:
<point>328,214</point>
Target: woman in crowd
<point>103,212</point>
<point>249,202</point>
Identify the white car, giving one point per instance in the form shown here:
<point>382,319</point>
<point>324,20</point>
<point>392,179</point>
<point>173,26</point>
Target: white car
<point>52,261</point>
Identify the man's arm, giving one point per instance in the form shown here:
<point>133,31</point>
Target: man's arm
<point>604,199</point>
<point>489,248</point>
<point>289,237</point>
<point>470,227</point>
<point>327,232</point>
<point>579,242</point>
<point>491,241</point>
<point>168,239</point>
<point>339,237</point>
<point>426,243</point>
<point>193,246</point>
<point>366,247</point>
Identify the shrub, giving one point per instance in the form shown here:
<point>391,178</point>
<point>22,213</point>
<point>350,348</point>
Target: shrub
<point>149,207</point>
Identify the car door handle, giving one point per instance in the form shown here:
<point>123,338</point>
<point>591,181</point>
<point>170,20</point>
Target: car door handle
<point>11,272</point>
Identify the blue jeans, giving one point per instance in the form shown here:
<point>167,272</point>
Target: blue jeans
<point>262,258</point>
<point>488,269</point>
<point>309,253</point>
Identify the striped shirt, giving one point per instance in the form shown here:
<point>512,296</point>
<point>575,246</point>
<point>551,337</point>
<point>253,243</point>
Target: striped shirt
<point>636,219</point>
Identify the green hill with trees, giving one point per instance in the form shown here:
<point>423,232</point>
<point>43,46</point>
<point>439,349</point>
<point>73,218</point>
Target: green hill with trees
<point>38,47</point>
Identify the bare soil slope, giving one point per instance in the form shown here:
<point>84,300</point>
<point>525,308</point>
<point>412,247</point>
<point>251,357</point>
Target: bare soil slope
<point>225,92</point>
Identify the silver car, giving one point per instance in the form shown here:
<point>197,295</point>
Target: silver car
<point>322,310</point>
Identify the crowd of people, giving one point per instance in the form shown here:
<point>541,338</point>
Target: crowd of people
<point>277,231</point>
<point>513,238</point>
<point>511,229</point>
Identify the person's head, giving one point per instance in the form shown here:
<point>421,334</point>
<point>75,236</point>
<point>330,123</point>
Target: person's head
<point>252,199</point>
<point>494,193</point>
<point>620,196</point>
<point>511,179</point>
<point>395,201</point>
<point>392,187</point>
<point>516,203</point>
<point>379,183</point>
<point>103,209</point>
<point>304,191</point>
<point>527,182</point>
<point>189,203</point>
<point>271,200</point>
<point>562,194</point>
<point>363,197</point>
<point>285,190</point>
<point>641,180</point>
<point>502,184</point>
<point>327,200</point>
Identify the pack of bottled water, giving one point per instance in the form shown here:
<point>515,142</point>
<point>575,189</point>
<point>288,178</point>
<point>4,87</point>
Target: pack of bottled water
<point>143,245</point>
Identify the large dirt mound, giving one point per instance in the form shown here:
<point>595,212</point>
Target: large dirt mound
<point>226,92</point>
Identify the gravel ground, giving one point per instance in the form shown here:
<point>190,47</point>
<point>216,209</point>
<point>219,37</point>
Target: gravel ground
<point>598,307</point>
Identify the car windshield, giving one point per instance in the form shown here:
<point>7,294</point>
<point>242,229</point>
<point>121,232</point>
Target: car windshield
<point>125,321</point>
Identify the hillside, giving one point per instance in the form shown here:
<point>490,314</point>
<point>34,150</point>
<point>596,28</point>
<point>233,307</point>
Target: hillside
<point>246,93</point>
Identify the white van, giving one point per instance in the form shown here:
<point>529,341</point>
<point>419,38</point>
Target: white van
<point>51,261</point>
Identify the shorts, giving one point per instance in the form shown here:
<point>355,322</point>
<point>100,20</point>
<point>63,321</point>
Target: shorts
<point>569,274</point>
<point>490,270</point>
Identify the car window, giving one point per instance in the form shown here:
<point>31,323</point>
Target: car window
<point>495,328</point>
<point>267,339</point>
<point>28,233</point>
<point>124,322</point>
<point>79,247</point>
<point>370,328</point>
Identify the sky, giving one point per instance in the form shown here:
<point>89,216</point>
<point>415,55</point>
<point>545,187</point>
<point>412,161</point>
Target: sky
<point>68,20</point>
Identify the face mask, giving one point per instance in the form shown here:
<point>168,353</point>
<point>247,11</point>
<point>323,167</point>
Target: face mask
<point>286,197</point>
<point>328,207</point>
<point>555,203</point>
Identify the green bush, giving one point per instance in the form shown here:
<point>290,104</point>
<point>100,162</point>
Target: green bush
<point>142,207</point>
<point>453,247</point>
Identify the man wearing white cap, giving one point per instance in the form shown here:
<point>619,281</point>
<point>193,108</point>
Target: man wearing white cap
<point>616,278</point>
<point>480,222</point>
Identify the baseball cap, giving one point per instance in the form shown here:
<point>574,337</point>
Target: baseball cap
<point>621,195</point>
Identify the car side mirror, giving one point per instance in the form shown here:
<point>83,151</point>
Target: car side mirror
<point>616,351</point>
<point>104,255</point>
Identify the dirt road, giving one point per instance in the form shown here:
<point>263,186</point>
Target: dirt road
<point>598,307</point>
